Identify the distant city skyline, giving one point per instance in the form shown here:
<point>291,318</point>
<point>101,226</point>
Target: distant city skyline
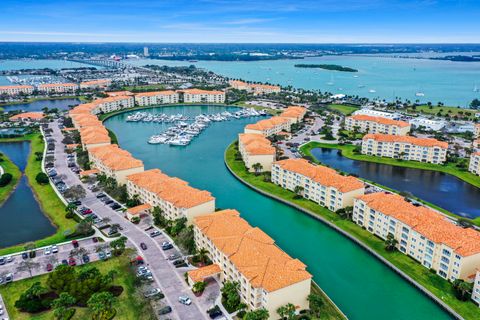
<point>242,21</point>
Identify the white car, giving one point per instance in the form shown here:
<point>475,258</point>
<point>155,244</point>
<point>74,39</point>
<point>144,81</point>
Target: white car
<point>47,251</point>
<point>54,249</point>
<point>8,259</point>
<point>185,300</point>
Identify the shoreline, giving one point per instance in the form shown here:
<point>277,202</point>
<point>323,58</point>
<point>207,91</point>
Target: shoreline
<point>50,205</point>
<point>321,216</point>
<point>7,166</point>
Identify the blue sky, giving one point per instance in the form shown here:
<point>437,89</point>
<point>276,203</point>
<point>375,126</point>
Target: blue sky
<point>273,21</point>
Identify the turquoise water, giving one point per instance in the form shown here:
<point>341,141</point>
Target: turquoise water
<point>60,104</point>
<point>360,285</point>
<point>21,219</point>
<point>39,64</point>
<point>447,81</point>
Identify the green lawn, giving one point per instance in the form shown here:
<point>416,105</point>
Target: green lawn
<point>9,167</point>
<point>343,108</point>
<point>328,311</point>
<point>129,305</point>
<point>432,282</point>
<point>445,111</point>
<point>49,202</point>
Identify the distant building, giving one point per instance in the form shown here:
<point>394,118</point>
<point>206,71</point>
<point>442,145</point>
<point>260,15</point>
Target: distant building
<point>201,96</point>
<point>269,127</point>
<point>28,116</point>
<point>405,147</point>
<point>294,113</point>
<point>460,127</point>
<point>95,84</point>
<point>58,87</point>
<point>156,97</point>
<point>376,113</point>
<point>16,90</point>
<point>474,166</point>
<point>145,52</point>
<point>476,133</point>
<point>372,124</point>
<point>256,89</point>
<point>429,124</point>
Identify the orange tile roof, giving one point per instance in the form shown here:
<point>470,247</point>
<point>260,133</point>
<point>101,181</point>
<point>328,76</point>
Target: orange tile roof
<point>200,274</point>
<point>476,154</point>
<point>114,157</point>
<point>263,86</point>
<point>267,123</point>
<point>16,87</point>
<point>139,209</point>
<point>323,175</point>
<point>69,129</point>
<point>89,172</point>
<point>425,221</point>
<point>256,144</point>
<point>71,146</point>
<point>112,99</point>
<point>294,112</point>
<point>381,120</point>
<point>51,85</point>
<point>155,93</point>
<point>252,251</point>
<point>93,82</point>
<point>119,93</point>
<point>27,115</point>
<point>173,190</point>
<point>424,142</point>
<point>95,139</point>
<point>199,91</point>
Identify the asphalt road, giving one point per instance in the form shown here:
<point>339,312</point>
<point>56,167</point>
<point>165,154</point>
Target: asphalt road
<point>168,278</point>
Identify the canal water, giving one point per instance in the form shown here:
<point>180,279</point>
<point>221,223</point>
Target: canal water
<point>60,104</point>
<point>360,285</point>
<point>21,219</point>
<point>436,187</point>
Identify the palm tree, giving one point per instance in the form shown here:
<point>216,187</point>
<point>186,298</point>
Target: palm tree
<point>258,168</point>
<point>203,255</point>
<point>315,302</point>
<point>298,191</point>
<point>390,242</point>
<point>287,311</point>
<point>101,305</point>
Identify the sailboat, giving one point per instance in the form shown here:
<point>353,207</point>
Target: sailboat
<point>420,93</point>
<point>331,83</point>
<point>475,88</point>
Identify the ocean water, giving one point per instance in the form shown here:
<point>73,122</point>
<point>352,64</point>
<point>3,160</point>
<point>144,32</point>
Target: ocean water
<point>450,82</point>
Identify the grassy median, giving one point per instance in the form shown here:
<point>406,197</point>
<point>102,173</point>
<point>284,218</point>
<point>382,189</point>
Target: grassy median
<point>49,202</point>
<point>129,305</point>
<point>431,281</point>
<point>9,167</point>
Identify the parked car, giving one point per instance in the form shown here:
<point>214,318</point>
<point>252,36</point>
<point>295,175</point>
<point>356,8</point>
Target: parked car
<point>2,261</point>
<point>155,233</point>
<point>185,300</point>
<point>65,262</point>
<point>24,255</point>
<point>108,254</point>
<point>101,195</point>
<point>49,267</point>
<point>8,278</point>
<point>86,258</point>
<point>101,255</point>
<point>215,312</point>
<point>115,206</point>
<point>95,239</point>
<point>178,262</point>
<point>75,243</point>
<point>72,262</point>
<point>8,259</point>
<point>143,246</point>
<point>174,256</point>
<point>107,201</point>
<point>167,246</point>
<point>54,249</point>
<point>152,292</point>
<point>47,251</point>
<point>165,310</point>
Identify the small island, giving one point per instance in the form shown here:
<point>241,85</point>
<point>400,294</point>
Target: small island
<point>327,67</point>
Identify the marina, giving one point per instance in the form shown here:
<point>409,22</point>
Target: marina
<point>183,128</point>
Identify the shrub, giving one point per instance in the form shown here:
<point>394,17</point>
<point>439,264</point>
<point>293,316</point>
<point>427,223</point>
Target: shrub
<point>41,178</point>
<point>5,179</point>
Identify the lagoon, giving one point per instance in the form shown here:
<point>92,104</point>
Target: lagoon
<point>436,187</point>
<point>362,286</point>
<point>38,105</point>
<point>21,219</point>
